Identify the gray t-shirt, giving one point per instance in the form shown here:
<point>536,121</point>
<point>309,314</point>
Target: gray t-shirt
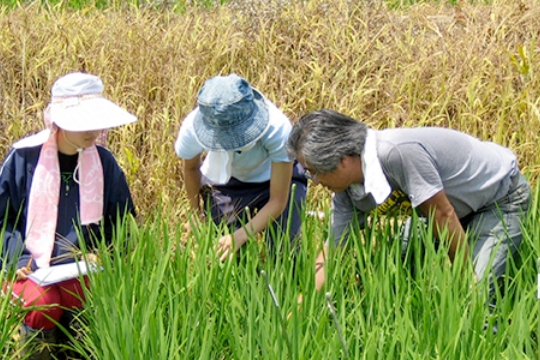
<point>420,162</point>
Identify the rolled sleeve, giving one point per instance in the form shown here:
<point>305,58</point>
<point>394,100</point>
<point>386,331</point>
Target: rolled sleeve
<point>186,145</point>
<point>275,140</point>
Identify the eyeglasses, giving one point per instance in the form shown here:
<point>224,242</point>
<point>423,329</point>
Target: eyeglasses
<point>311,175</point>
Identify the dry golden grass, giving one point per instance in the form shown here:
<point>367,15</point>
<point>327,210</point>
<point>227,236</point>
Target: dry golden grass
<point>472,68</point>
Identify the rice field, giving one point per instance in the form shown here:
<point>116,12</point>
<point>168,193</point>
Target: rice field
<point>162,294</point>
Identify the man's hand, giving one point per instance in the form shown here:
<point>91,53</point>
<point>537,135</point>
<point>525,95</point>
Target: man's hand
<point>319,276</point>
<point>445,220</point>
<point>319,268</point>
<point>299,301</point>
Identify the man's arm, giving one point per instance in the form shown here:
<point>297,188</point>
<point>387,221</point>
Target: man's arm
<point>444,217</point>
<point>345,218</point>
<point>319,268</point>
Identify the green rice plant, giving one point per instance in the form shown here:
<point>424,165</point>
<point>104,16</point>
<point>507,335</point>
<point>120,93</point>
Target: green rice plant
<point>11,315</point>
<point>521,304</point>
<point>471,68</point>
<point>126,298</point>
<point>11,312</point>
<point>159,296</point>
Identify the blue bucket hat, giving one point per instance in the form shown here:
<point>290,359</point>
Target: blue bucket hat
<point>231,114</point>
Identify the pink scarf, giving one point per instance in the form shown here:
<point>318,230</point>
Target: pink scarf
<point>45,194</point>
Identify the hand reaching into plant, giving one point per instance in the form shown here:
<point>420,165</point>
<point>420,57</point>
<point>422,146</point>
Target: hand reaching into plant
<point>299,301</point>
<point>319,268</point>
<point>227,246</point>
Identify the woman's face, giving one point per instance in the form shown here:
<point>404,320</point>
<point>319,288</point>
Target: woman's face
<point>70,141</point>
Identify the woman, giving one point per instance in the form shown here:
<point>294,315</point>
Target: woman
<point>57,188</point>
<point>246,170</point>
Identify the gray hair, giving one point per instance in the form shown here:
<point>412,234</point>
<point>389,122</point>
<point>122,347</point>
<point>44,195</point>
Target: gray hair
<point>323,138</point>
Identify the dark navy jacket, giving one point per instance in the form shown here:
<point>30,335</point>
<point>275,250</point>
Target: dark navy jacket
<point>15,182</point>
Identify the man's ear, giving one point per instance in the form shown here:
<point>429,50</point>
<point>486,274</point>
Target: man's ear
<point>352,164</point>
<point>345,162</point>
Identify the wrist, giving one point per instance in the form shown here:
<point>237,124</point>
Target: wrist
<point>239,242</point>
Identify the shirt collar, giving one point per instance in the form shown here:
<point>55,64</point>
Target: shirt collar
<point>375,182</point>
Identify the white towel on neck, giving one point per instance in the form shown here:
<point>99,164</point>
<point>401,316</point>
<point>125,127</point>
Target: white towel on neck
<point>217,166</point>
<point>375,182</point>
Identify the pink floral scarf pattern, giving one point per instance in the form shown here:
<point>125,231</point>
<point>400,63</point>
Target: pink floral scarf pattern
<point>45,194</point>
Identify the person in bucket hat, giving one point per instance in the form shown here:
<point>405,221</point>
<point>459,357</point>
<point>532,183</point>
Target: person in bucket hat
<point>58,188</point>
<point>246,178</point>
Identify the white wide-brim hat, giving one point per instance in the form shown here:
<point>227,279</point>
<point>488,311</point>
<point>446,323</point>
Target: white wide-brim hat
<point>77,104</point>
<point>88,114</point>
